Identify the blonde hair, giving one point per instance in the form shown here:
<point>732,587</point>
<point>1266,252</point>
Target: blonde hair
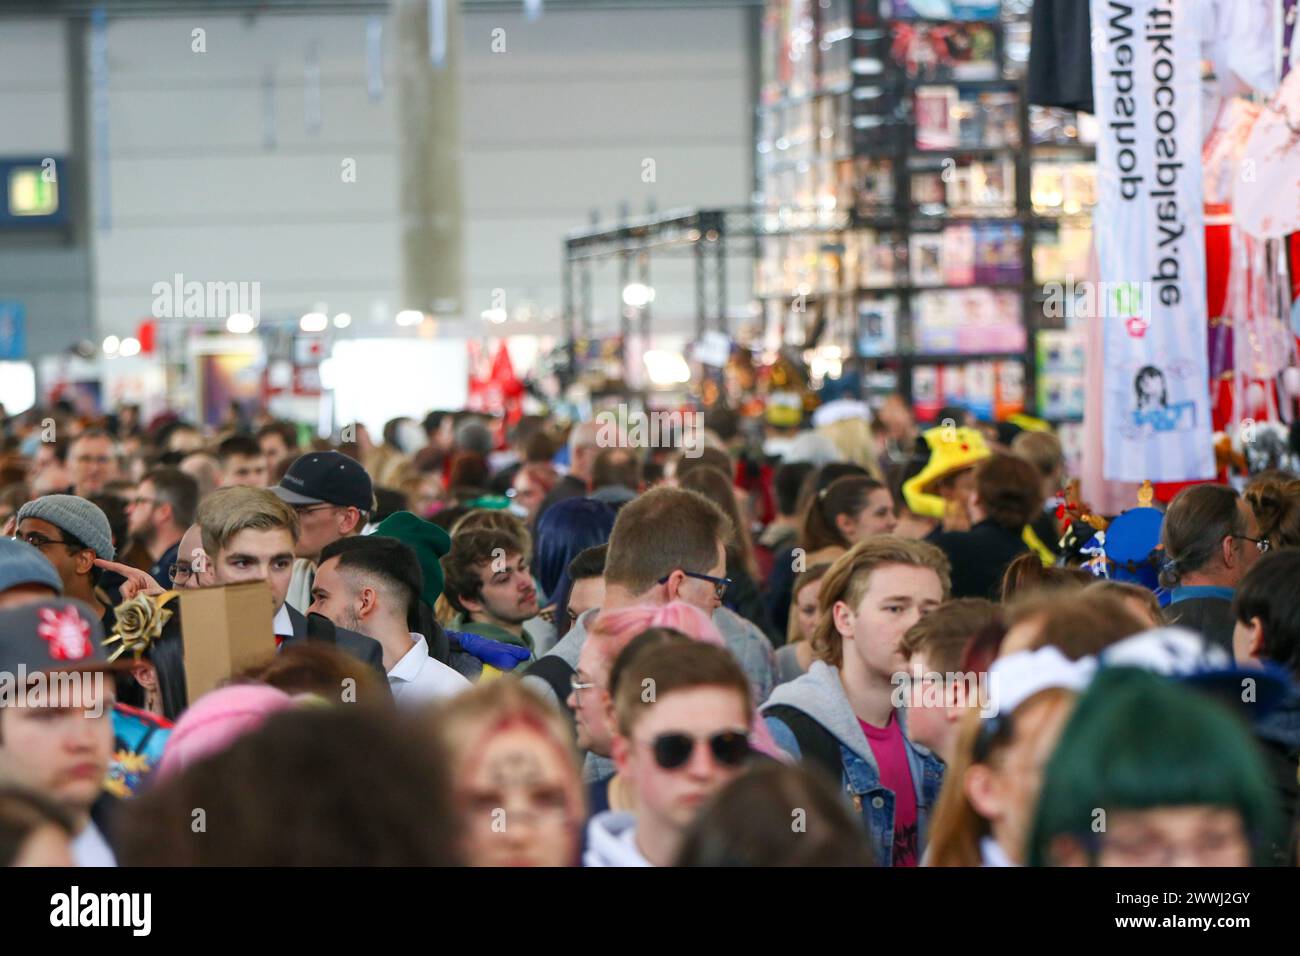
<point>850,577</point>
<point>1040,449</point>
<point>228,511</point>
<point>853,439</point>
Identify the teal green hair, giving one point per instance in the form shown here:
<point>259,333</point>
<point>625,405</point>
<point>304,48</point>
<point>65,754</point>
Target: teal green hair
<point>1138,741</point>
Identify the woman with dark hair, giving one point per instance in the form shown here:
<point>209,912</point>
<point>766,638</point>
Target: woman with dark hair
<point>327,786</point>
<point>775,815</point>
<point>742,596</point>
<point>791,561</point>
<point>1008,495</point>
<point>154,693</point>
<point>565,529</point>
<point>842,514</point>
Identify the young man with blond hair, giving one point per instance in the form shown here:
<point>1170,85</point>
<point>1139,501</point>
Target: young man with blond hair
<point>249,535</point>
<point>840,716</point>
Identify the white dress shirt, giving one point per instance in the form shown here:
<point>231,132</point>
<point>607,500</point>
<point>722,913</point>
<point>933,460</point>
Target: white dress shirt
<point>417,678</point>
<point>282,624</point>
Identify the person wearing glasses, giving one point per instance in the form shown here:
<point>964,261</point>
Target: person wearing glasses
<point>1211,539</point>
<point>683,714</point>
<point>333,497</point>
<point>163,507</point>
<point>92,460</point>
<point>842,716</point>
<point>591,696</point>
<point>667,545</point>
<point>74,535</point>
<point>191,569</point>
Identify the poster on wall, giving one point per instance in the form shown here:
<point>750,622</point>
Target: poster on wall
<point>1151,298</point>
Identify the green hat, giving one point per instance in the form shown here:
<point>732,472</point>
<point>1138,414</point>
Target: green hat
<point>427,540</point>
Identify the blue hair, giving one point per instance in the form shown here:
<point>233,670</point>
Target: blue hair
<point>564,529</point>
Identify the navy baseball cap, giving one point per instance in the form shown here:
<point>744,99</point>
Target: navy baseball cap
<point>327,477</point>
<point>20,563</point>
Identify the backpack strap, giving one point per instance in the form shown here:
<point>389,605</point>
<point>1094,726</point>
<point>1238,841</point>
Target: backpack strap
<point>818,747</point>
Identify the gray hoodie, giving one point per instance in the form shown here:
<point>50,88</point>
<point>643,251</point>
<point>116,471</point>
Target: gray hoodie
<point>611,841</point>
<point>820,695</point>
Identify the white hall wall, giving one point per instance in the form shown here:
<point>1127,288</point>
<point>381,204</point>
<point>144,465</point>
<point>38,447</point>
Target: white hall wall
<point>554,127</point>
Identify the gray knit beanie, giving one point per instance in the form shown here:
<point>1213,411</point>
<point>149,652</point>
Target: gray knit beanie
<point>82,519</point>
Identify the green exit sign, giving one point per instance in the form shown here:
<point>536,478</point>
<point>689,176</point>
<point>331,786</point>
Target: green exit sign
<point>33,191</point>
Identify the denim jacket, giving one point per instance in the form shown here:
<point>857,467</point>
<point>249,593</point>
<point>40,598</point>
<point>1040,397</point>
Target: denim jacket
<point>820,695</point>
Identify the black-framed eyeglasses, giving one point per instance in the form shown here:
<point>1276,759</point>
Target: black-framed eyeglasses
<point>729,747</point>
<point>308,509</point>
<point>1263,545</point>
<point>720,585</point>
<point>38,540</point>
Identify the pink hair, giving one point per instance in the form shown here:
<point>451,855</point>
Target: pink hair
<point>216,720</point>
<point>614,630</point>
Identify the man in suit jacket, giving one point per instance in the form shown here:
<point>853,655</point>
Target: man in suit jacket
<point>314,627</point>
<point>249,535</point>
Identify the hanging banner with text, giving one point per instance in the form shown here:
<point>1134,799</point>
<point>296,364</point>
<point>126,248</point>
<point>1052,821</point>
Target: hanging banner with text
<point>1150,240</point>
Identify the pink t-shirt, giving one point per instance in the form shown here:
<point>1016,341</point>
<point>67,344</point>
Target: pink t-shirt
<point>890,751</point>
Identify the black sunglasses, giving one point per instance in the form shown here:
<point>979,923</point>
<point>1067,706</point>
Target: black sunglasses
<point>730,748</point>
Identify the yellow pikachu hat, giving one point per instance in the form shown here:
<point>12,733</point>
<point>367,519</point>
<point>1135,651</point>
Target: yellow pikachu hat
<point>951,450</point>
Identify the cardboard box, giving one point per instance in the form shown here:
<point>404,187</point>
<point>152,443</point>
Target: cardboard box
<point>225,631</point>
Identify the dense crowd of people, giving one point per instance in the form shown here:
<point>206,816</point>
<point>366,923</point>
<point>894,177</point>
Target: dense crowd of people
<point>863,642</point>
